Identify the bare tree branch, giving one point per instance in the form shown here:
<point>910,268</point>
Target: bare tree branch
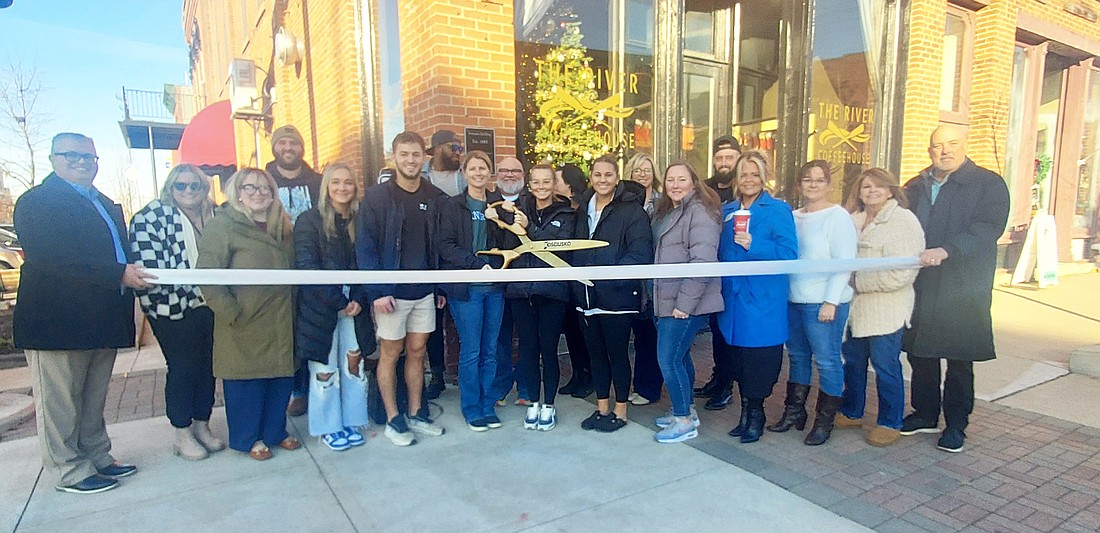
<point>22,122</point>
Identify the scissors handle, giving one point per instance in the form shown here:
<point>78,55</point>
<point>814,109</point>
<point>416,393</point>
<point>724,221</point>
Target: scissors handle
<point>508,255</point>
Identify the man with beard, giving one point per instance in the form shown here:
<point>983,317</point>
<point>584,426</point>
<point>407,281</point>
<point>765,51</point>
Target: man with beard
<point>510,185</point>
<point>718,389</point>
<point>299,185</point>
<point>443,168</point>
<point>299,188</point>
<point>397,222</point>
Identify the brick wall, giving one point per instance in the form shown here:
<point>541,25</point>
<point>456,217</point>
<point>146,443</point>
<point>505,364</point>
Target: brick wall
<point>995,26</point>
<point>458,67</point>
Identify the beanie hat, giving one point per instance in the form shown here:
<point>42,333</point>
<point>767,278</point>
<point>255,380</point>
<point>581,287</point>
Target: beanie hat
<point>285,132</point>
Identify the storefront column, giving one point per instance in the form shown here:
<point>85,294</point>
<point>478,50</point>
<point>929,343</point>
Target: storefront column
<point>797,39</point>
<point>667,71</point>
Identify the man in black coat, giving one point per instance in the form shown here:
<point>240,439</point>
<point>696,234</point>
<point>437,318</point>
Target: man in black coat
<point>963,209</point>
<point>75,311</point>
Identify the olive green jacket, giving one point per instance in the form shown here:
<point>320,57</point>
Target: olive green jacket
<point>253,325</point>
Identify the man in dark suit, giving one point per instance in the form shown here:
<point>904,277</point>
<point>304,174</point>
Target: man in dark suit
<point>76,308</point>
<point>963,209</point>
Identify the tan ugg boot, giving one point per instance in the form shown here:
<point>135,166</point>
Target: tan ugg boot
<point>845,422</point>
<point>201,430</point>
<point>881,437</point>
<point>188,447</point>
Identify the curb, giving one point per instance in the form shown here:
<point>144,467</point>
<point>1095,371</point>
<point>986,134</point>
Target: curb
<point>14,409</point>
<point>1086,361</point>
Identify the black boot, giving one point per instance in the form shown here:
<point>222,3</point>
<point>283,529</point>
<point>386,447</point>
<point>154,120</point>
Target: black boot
<point>754,423</point>
<point>737,431</point>
<point>708,389</point>
<point>823,422</point>
<point>721,398</point>
<point>794,415</point>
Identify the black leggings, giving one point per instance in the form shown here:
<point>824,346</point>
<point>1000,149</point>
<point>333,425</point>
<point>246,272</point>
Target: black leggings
<point>756,370</point>
<point>538,321</point>
<point>579,360</point>
<point>188,346</point>
<point>607,337</point>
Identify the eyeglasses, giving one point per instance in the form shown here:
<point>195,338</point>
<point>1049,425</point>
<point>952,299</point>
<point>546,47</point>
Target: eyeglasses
<point>642,171</point>
<point>249,188</point>
<point>510,171</point>
<point>75,157</point>
<point>810,181</point>
<point>194,186</point>
<point>456,148</point>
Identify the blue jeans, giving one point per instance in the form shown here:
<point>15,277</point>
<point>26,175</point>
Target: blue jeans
<point>812,339</point>
<point>477,320</point>
<point>674,339</point>
<point>341,400</point>
<point>255,409</point>
<point>884,352</point>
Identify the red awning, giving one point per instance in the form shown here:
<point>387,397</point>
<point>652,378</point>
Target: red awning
<point>208,140</point>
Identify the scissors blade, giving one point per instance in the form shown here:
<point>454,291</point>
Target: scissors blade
<point>566,245</point>
<point>557,262</point>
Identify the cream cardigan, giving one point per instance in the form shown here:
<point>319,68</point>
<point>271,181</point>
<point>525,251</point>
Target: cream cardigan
<point>883,301</point>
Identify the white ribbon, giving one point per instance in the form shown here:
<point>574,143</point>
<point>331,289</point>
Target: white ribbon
<point>217,276</point>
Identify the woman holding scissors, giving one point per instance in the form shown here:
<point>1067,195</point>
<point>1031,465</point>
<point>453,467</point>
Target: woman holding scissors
<point>539,307</point>
<point>477,307</point>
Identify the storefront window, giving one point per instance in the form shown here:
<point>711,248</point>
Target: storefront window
<point>1087,215</point>
<point>757,63</point>
<point>955,77</point>
<point>584,77</point>
<point>844,74</point>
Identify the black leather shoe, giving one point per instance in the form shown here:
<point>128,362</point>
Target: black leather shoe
<point>719,401</point>
<point>707,390</point>
<point>117,470</point>
<point>90,485</point>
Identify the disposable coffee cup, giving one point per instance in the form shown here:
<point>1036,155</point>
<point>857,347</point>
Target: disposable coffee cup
<point>741,220</point>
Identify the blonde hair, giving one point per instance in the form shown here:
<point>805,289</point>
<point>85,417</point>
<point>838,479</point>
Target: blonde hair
<point>278,222</point>
<point>325,207</point>
<point>761,161</point>
<point>168,199</point>
<point>636,162</point>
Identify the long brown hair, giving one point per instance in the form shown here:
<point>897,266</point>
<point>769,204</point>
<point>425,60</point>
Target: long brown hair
<point>882,178</point>
<point>328,211</point>
<point>707,195</point>
<point>278,222</point>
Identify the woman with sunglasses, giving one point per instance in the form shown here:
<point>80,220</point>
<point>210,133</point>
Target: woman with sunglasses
<point>253,324</point>
<point>165,235</point>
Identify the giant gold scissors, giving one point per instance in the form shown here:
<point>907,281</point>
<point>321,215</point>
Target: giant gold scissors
<point>542,249</point>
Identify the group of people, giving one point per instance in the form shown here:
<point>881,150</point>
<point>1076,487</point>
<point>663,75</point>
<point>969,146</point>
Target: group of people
<point>281,349</point>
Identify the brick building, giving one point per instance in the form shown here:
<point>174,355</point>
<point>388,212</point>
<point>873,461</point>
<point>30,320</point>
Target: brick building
<point>855,82</point>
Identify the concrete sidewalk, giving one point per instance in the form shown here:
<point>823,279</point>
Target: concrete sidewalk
<point>503,480</point>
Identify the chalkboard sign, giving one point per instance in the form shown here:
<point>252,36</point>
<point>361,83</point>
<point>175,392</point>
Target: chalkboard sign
<point>484,140</point>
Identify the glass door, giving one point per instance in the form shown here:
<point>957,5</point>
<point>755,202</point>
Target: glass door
<point>704,113</point>
<point>1087,215</point>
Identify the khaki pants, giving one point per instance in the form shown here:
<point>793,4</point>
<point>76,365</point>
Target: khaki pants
<point>70,391</point>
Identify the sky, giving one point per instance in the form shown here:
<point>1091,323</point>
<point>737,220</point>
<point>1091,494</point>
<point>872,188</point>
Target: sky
<point>85,52</point>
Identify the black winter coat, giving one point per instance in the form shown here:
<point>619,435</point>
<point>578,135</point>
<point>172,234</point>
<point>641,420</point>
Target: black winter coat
<point>624,224</point>
<point>558,221</point>
<point>952,318</point>
<point>378,231</point>
<point>70,295</point>
<point>318,305</point>
<point>456,241</point>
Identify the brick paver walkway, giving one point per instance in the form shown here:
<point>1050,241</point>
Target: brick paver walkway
<point>1020,472</point>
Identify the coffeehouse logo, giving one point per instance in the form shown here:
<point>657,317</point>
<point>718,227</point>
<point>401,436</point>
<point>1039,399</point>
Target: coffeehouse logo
<point>840,144</point>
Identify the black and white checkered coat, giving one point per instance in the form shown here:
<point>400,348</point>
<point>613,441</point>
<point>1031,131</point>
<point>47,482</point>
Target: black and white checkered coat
<point>156,235</point>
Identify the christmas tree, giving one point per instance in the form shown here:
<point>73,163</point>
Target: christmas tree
<point>568,109</point>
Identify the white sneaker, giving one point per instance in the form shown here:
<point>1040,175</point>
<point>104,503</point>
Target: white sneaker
<point>531,420</point>
<point>548,418</point>
<point>667,419</point>
<point>400,438</point>
<point>425,426</point>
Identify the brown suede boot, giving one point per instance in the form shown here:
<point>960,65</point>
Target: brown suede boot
<point>842,421</point>
<point>881,437</point>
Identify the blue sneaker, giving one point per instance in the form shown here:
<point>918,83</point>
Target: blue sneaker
<point>336,442</point>
<point>680,430</point>
<point>478,425</point>
<point>667,419</point>
<point>493,422</point>
<point>548,417</point>
<point>354,437</point>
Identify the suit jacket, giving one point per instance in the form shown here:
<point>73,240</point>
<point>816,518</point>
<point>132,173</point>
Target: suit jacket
<point>70,296</point>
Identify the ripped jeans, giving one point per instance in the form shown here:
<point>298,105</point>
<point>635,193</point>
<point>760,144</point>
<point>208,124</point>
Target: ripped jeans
<point>341,401</point>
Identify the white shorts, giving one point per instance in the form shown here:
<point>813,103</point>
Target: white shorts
<point>408,316</point>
